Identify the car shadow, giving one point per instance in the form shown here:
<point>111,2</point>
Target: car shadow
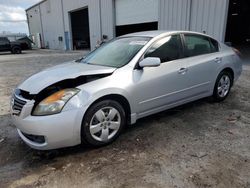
<point>15,154</point>
<point>47,156</point>
<point>9,53</point>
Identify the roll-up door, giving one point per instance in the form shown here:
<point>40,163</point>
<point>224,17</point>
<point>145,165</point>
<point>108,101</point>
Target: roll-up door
<point>136,15</point>
<point>136,11</point>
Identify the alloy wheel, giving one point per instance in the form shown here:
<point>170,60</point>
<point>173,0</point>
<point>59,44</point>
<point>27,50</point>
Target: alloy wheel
<point>224,86</point>
<point>105,123</point>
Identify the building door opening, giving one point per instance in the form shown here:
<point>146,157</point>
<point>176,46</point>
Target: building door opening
<point>238,25</point>
<point>125,29</point>
<point>80,29</point>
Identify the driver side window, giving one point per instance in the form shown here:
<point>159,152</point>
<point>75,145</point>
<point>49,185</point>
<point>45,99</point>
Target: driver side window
<point>167,49</point>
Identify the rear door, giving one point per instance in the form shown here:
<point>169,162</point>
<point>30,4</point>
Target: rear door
<point>203,56</point>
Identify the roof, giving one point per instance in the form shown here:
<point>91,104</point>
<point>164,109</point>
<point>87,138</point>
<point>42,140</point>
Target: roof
<point>146,33</point>
<point>156,33</point>
<point>40,2</point>
<point>26,39</point>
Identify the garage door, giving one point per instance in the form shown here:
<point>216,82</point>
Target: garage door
<point>130,12</point>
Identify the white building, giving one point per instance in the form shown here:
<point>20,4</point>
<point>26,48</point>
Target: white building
<point>73,24</point>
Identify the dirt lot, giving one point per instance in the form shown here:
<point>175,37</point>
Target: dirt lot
<point>201,144</point>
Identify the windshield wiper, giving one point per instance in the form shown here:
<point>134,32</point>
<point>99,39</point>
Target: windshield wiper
<point>79,60</point>
<point>101,65</point>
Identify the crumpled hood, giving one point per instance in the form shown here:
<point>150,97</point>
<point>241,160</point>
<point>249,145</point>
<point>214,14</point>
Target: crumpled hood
<point>71,70</point>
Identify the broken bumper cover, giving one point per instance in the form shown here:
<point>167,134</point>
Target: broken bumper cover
<point>52,131</point>
<point>58,130</point>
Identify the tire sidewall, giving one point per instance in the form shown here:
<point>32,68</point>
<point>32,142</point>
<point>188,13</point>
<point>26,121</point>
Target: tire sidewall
<point>85,130</point>
<point>215,93</point>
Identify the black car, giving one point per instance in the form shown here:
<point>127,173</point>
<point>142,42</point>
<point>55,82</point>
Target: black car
<point>6,45</point>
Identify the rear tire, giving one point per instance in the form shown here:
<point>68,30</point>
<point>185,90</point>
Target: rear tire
<point>103,123</point>
<point>222,86</point>
<point>16,50</point>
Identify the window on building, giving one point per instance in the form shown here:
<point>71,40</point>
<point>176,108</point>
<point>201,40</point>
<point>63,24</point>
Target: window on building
<point>167,49</point>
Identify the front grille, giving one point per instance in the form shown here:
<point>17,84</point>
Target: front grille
<point>17,105</point>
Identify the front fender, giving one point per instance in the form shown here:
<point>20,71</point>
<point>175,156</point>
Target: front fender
<point>105,92</point>
<point>86,99</point>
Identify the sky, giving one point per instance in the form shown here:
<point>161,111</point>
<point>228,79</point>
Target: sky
<point>13,15</point>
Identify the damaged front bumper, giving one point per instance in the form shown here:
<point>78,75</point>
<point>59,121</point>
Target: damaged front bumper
<point>53,131</point>
<point>57,130</point>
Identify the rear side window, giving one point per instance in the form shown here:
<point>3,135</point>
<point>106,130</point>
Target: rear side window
<point>167,49</point>
<point>199,45</point>
<point>214,45</point>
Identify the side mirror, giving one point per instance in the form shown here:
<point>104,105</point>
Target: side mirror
<point>150,62</point>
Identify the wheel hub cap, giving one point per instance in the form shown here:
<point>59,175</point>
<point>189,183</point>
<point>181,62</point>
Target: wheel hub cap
<point>224,86</point>
<point>105,124</point>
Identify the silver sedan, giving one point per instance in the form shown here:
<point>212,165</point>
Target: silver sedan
<point>92,99</point>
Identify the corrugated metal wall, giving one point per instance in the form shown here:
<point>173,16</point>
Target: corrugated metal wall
<point>197,15</point>
<point>34,21</point>
<point>94,22</point>
<point>174,14</point>
<point>107,18</point>
<point>101,18</point>
<point>52,26</point>
<point>207,16</point>
<point>55,20</point>
<point>94,18</point>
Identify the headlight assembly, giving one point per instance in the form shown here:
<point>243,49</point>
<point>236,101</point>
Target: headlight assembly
<point>55,103</point>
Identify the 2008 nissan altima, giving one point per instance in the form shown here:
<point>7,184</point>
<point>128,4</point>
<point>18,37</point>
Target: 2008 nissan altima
<point>92,99</point>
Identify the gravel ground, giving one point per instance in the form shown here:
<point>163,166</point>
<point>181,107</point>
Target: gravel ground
<point>201,144</point>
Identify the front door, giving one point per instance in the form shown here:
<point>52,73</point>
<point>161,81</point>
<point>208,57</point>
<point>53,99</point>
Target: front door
<point>155,87</point>
<point>4,44</point>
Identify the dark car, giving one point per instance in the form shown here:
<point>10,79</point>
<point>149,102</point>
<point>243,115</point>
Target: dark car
<point>6,45</point>
<point>25,43</point>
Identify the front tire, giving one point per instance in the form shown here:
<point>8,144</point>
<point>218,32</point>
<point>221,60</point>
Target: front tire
<point>103,123</point>
<point>222,86</point>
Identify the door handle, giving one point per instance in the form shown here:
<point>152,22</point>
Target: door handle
<point>183,70</point>
<point>218,59</point>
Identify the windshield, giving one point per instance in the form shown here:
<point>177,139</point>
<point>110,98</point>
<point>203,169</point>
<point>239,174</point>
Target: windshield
<point>116,53</point>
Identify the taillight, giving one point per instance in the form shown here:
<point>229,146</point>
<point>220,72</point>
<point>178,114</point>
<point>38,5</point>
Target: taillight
<point>238,52</point>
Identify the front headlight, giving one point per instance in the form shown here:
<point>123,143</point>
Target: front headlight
<point>55,103</point>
